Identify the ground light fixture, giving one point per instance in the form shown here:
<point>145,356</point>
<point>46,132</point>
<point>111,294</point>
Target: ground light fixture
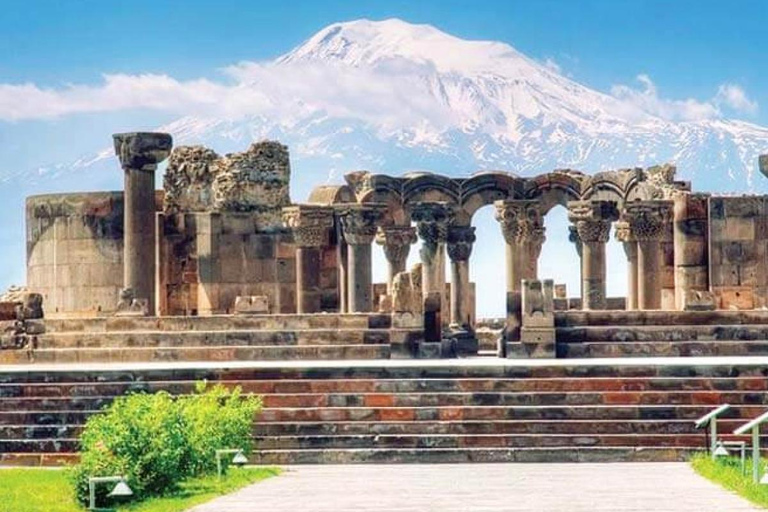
<point>720,451</point>
<point>239,458</point>
<point>121,488</point>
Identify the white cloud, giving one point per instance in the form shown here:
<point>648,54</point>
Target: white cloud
<point>646,99</point>
<point>736,98</point>
<point>386,97</point>
<point>550,64</point>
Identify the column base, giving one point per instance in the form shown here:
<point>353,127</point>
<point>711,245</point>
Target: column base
<point>460,342</point>
<point>535,343</point>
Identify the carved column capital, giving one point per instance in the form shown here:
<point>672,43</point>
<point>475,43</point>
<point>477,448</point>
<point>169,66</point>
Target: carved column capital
<point>593,219</point>
<point>432,221</point>
<point>310,224</point>
<point>623,232</point>
<point>460,241</point>
<point>359,222</point>
<point>142,150</point>
<point>648,220</point>
<point>521,221</point>
<point>396,241</point>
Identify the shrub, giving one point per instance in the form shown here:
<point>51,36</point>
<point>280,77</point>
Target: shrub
<point>157,441</point>
<point>217,418</point>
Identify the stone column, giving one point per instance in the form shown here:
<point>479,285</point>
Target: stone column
<point>624,235</point>
<point>460,240</point>
<point>648,221</point>
<point>343,268</point>
<point>593,222</point>
<point>691,245</point>
<point>396,241</point>
<point>310,225</point>
<point>359,223</point>
<point>139,154</point>
<point>523,230</point>
<point>432,220</point>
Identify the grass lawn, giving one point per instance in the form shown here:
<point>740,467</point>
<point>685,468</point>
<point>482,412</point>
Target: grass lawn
<point>48,490</point>
<point>727,473</point>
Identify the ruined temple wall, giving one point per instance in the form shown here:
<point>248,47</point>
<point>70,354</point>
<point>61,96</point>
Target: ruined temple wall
<point>75,251</point>
<point>738,247</point>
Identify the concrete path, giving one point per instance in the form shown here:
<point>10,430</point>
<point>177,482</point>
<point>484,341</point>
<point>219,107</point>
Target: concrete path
<point>619,487</point>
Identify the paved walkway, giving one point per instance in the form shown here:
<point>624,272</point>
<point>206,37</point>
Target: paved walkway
<point>619,487</point>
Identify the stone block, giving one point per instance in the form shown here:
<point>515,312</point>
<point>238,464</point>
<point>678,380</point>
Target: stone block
<point>429,350</point>
<point>740,228</point>
<point>537,306</point>
<point>237,224</point>
<point>699,300</point>
<point>725,275</point>
<point>407,320</point>
<point>286,271</point>
<point>539,342</point>
<point>253,270</point>
<point>285,250</point>
<point>560,291</point>
<point>735,297</point>
<point>251,305</point>
<point>269,271</point>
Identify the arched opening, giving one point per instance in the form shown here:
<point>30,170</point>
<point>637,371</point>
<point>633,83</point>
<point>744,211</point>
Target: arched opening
<point>559,259</point>
<point>487,265</point>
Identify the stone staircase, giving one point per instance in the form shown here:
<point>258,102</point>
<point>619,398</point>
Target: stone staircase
<point>411,411</point>
<point>215,338</point>
<point>587,334</point>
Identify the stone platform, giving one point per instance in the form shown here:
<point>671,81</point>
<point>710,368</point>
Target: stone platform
<point>216,338</point>
<point>585,334</point>
<point>355,411</point>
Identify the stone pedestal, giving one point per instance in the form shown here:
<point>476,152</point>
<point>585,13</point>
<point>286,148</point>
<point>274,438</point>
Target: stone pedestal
<point>396,241</point>
<point>592,220</point>
<point>691,246</point>
<point>359,223</point>
<point>310,225</point>
<point>537,335</point>
<point>624,235</point>
<point>139,155</point>
<point>648,221</point>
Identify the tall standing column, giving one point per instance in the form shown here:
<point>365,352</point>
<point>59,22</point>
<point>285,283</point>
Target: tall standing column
<point>460,241</point>
<point>593,222</point>
<point>523,230</point>
<point>432,220</point>
<point>139,153</point>
<point>359,223</point>
<point>624,235</point>
<point>310,225</point>
<point>648,221</point>
<point>396,241</point>
<point>343,269</point>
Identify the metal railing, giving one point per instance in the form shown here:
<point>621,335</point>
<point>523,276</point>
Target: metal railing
<point>711,419</point>
<point>754,426</point>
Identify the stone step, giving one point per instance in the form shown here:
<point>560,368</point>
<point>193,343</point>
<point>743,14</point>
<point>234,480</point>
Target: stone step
<point>476,427</point>
<point>604,349</point>
<point>476,455</point>
<point>656,333</point>
<point>430,441</point>
<point>221,323</point>
<point>495,413</point>
<point>172,339</point>
<point>426,400</point>
<point>367,385</point>
<point>203,354</point>
<point>653,318</point>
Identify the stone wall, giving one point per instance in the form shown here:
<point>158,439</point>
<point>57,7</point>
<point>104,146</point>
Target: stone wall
<point>75,251</point>
<point>738,236</point>
<point>211,258</point>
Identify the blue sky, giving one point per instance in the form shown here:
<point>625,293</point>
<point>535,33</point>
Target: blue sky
<point>687,47</point>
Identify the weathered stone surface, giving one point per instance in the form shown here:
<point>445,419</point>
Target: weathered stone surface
<point>699,300</point>
<point>188,180</point>
<point>252,305</point>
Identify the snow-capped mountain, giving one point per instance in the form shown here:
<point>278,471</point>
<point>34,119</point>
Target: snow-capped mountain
<point>391,96</point>
<point>429,100</point>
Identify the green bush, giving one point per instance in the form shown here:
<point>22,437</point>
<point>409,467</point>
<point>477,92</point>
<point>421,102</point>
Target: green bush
<point>157,440</point>
<point>217,418</point>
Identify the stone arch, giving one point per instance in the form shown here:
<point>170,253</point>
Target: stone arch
<point>331,194</point>
<point>484,188</point>
<point>555,188</point>
<point>430,187</point>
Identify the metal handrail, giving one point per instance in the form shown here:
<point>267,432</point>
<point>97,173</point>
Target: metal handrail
<point>711,419</point>
<point>754,426</point>
<point>712,414</point>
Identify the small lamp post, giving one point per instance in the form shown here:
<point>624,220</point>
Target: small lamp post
<point>239,458</point>
<point>121,489</point>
